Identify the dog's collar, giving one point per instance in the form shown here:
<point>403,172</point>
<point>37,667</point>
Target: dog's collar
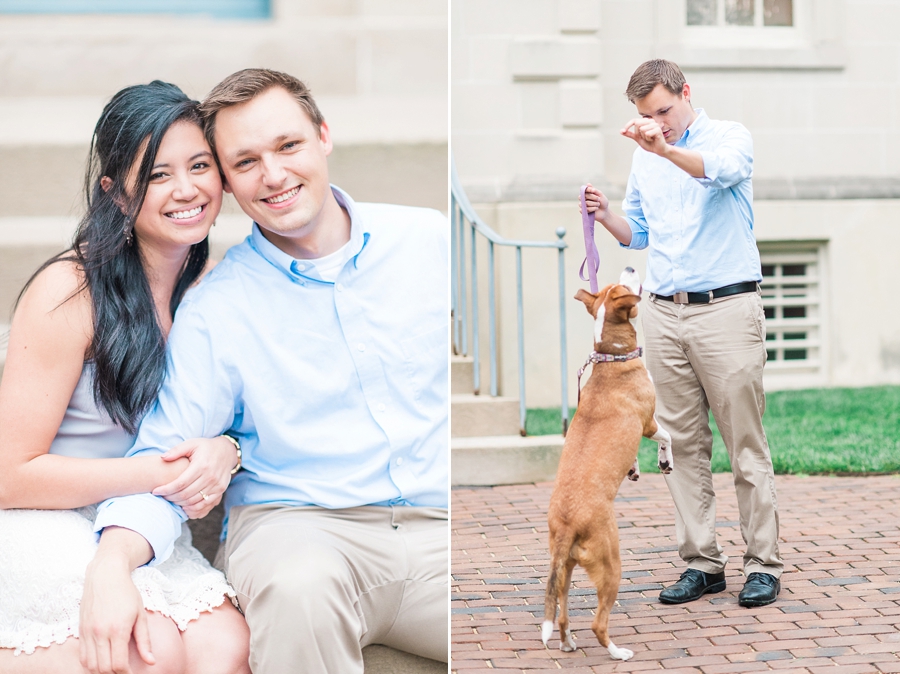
<point>597,357</point>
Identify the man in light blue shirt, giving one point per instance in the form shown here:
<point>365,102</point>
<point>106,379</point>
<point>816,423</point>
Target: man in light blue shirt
<point>689,200</point>
<point>320,344</point>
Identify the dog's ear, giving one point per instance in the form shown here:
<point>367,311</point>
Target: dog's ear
<point>590,300</point>
<point>584,296</point>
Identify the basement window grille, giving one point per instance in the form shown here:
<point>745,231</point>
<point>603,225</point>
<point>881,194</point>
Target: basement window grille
<point>792,298</point>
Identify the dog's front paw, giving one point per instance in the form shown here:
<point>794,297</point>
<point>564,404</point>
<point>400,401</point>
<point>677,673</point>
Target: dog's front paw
<point>619,653</point>
<point>634,473</point>
<point>665,459</point>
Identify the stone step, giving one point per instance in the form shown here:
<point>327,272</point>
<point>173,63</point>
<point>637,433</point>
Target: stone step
<point>511,459</point>
<point>26,242</point>
<point>462,379</point>
<point>483,415</point>
<point>44,141</point>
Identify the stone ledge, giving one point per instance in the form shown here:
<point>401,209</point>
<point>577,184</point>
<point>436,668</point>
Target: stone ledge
<point>555,188</point>
<point>489,461</point>
<point>353,120</point>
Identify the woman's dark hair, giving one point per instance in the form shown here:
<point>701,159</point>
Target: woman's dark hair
<point>128,346</point>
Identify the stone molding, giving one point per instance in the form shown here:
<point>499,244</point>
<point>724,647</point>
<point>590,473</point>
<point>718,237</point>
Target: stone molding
<point>766,189</point>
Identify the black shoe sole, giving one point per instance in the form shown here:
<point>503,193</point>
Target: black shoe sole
<point>709,589</point>
<point>753,603</point>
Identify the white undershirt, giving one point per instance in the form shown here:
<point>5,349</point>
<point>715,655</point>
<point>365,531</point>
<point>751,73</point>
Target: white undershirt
<point>329,267</point>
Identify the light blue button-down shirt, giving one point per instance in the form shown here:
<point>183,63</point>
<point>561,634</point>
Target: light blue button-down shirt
<point>338,392</point>
<point>699,230</point>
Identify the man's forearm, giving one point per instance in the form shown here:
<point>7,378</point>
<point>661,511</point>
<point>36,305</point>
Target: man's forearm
<point>617,226</point>
<point>689,161</point>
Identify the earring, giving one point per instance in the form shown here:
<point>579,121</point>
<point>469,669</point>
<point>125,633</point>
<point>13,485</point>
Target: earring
<point>127,230</point>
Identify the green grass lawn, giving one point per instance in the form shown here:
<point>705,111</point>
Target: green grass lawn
<point>817,431</point>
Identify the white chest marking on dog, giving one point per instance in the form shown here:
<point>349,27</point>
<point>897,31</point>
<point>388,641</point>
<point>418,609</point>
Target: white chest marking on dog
<point>598,324</point>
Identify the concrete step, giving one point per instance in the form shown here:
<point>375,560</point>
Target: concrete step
<point>511,459</point>
<point>26,242</point>
<point>462,379</point>
<point>483,415</point>
<point>401,159</point>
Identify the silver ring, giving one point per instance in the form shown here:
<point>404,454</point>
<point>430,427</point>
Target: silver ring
<point>205,496</point>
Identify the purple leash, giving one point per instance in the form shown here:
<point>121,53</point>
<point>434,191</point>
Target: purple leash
<point>592,257</point>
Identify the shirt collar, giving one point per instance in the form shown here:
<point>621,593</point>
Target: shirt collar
<point>695,129</point>
<point>294,268</point>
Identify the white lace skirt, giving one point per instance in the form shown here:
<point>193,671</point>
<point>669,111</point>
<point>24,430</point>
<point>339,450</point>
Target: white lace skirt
<point>43,557</point>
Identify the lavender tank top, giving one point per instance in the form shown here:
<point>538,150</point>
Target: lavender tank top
<point>86,430</point>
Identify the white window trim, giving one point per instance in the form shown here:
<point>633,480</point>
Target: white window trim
<point>814,42</point>
<point>786,374</point>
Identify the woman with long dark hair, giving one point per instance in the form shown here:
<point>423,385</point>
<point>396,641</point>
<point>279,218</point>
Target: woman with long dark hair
<point>85,362</point>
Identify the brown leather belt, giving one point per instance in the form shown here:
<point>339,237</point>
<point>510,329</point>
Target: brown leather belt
<point>704,298</point>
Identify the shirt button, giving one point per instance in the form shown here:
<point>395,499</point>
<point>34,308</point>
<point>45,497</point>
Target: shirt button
<point>381,407</point>
<point>361,346</point>
<point>339,287</point>
<point>399,461</point>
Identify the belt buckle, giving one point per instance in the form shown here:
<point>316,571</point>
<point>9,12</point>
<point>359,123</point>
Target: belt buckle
<point>681,297</point>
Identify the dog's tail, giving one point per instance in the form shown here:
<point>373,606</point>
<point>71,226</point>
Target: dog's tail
<point>560,547</point>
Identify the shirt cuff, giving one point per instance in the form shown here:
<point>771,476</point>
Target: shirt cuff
<point>152,517</point>
<point>639,237</point>
<point>712,167</point>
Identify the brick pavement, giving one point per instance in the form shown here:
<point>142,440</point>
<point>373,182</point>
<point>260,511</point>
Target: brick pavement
<point>839,608</point>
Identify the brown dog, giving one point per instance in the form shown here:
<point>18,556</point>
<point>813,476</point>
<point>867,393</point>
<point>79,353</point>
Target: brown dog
<point>616,408</point>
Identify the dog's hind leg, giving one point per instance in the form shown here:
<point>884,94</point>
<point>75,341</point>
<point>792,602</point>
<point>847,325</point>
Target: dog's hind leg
<point>557,591</point>
<point>605,571</point>
<point>566,640</point>
<point>664,457</point>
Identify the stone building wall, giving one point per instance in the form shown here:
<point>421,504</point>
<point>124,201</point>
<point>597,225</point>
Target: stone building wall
<point>537,105</point>
<point>378,69</point>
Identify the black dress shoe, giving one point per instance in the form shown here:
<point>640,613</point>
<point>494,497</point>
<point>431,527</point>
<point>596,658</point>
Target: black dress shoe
<point>692,585</point>
<point>759,590</point>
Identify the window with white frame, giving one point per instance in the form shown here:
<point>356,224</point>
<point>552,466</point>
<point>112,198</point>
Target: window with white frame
<point>745,34</point>
<point>792,298</point>
<point>757,13</point>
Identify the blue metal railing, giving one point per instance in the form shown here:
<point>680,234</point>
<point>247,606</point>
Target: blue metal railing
<point>465,221</point>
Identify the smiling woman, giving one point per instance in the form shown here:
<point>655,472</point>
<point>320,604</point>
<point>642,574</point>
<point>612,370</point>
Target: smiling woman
<point>86,360</point>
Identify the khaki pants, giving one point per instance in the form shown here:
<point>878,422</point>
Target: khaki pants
<point>711,356</point>
<point>318,585</point>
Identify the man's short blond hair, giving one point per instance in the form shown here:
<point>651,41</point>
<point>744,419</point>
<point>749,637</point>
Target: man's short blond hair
<point>247,84</point>
<point>651,73</point>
